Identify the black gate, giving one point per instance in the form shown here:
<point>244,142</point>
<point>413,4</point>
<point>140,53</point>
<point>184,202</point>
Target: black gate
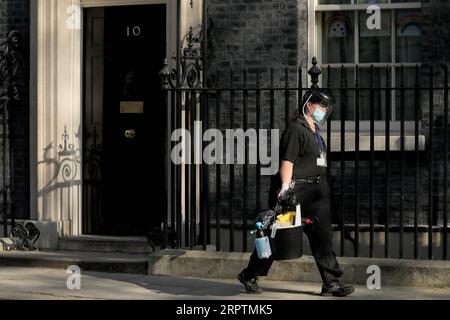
<point>387,151</point>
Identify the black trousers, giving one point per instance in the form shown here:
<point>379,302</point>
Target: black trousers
<point>314,200</point>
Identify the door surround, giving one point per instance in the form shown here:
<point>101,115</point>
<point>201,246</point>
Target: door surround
<point>56,105</point>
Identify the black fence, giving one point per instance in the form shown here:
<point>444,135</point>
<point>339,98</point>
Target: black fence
<point>11,91</point>
<point>387,156</point>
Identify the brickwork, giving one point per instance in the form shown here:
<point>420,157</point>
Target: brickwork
<point>260,35</point>
<point>15,15</point>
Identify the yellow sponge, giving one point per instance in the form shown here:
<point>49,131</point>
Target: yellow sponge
<point>287,218</point>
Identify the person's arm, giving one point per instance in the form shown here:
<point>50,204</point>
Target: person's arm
<point>286,170</point>
<point>289,151</point>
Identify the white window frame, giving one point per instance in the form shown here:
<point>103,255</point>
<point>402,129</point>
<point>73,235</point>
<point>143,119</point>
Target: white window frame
<point>315,50</point>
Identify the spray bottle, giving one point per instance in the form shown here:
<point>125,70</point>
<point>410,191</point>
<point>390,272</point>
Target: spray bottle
<point>262,242</point>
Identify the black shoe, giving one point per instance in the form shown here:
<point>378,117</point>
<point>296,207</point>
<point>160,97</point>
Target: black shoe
<point>251,286</point>
<point>336,289</point>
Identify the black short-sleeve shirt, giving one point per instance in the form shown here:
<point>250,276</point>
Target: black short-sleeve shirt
<point>298,145</point>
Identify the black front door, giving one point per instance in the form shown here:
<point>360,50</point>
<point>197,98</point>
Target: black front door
<point>133,45</point>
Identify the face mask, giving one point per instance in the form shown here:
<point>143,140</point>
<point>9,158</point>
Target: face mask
<point>318,115</point>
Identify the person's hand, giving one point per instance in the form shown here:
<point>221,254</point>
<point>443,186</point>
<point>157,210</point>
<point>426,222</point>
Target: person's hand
<point>283,190</point>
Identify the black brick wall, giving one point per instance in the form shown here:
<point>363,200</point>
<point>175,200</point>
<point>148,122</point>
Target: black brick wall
<point>260,35</point>
<point>257,36</point>
<point>15,15</point>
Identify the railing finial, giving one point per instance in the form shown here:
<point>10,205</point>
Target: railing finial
<point>314,72</point>
<point>165,75</point>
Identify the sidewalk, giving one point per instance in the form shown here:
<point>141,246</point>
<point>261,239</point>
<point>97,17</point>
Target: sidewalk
<point>43,283</point>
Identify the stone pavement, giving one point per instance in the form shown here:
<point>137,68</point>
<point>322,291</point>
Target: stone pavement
<point>42,283</point>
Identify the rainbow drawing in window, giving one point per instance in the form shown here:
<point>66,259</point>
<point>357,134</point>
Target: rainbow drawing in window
<point>408,24</point>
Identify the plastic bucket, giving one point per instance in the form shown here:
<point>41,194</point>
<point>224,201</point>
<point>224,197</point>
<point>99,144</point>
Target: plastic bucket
<point>288,243</point>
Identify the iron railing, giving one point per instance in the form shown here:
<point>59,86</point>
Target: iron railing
<point>387,148</point>
<point>10,91</point>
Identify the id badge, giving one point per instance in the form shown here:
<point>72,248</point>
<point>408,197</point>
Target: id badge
<point>322,160</point>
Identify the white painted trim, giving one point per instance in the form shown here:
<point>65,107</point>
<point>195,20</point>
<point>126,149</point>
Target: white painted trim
<point>383,6</point>
<point>57,49</point>
<point>379,142</point>
<point>319,27</point>
<point>356,36</point>
<point>108,3</point>
<point>379,126</point>
<point>318,48</point>
<point>393,54</point>
<point>367,65</point>
<point>313,35</point>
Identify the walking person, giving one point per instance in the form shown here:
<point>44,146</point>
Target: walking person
<point>303,168</point>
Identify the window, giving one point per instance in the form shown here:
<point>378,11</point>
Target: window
<point>340,37</point>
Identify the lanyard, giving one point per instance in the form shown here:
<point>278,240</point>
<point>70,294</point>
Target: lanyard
<point>320,141</point>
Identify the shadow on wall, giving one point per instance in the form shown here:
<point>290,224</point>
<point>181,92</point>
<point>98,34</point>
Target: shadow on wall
<point>63,177</point>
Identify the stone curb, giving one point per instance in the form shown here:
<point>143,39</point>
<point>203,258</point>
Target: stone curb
<point>226,265</point>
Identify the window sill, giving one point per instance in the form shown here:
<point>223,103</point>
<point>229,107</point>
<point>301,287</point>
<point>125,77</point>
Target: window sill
<point>364,6</point>
<point>379,142</point>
